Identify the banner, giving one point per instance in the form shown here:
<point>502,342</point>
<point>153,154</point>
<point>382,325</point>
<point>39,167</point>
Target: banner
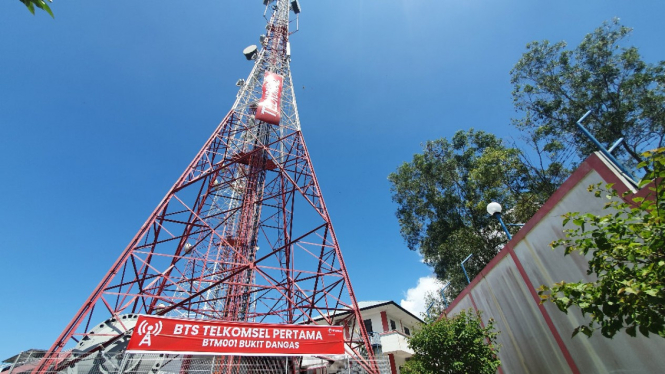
<point>268,109</point>
<point>173,335</point>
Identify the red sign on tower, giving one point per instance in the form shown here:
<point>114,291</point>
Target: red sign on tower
<point>269,106</point>
<point>171,335</point>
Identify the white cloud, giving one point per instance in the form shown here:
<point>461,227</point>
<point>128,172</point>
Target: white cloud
<point>415,297</point>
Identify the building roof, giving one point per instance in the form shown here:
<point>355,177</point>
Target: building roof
<point>31,352</point>
<point>370,304</point>
<point>366,305</point>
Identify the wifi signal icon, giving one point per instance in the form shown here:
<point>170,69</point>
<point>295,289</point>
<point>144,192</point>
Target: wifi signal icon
<point>146,328</point>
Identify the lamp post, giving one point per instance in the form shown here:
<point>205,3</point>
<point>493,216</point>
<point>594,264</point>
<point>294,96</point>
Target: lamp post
<point>494,209</point>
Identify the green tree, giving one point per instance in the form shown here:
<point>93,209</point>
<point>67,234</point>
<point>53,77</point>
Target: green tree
<point>454,345</point>
<point>554,87</point>
<point>627,249</point>
<point>40,4</point>
<point>442,195</point>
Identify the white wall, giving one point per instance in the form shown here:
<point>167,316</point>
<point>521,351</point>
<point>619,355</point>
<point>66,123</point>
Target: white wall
<point>537,338</point>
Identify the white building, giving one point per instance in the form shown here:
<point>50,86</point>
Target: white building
<point>389,327</point>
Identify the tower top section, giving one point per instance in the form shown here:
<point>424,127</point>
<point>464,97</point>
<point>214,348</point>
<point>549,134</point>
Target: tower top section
<point>275,48</point>
<point>269,82</point>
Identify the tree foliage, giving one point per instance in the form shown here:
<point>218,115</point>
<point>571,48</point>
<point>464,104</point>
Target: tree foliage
<point>436,306</point>
<point>454,345</point>
<point>442,195</point>
<point>627,249</point>
<point>554,87</point>
<point>40,4</point>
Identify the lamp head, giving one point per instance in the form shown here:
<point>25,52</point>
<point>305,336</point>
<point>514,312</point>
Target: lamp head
<point>493,208</point>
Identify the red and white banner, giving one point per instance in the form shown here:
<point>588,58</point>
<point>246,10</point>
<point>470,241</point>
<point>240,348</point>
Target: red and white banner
<point>172,335</point>
<point>268,109</point>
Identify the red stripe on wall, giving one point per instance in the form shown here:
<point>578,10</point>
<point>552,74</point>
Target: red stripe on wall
<point>473,302</point>
<point>546,316</point>
<point>393,367</point>
<point>384,321</point>
<point>475,307</point>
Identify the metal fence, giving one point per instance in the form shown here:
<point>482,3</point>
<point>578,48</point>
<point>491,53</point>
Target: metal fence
<point>101,363</point>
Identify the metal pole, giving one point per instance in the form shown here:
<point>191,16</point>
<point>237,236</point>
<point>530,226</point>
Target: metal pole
<point>467,275</point>
<point>443,296</point>
<point>430,307</point>
<point>616,144</point>
<point>603,150</point>
<point>505,229</point>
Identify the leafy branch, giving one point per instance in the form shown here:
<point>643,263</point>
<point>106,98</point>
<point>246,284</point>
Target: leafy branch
<point>41,4</point>
<point>455,345</point>
<point>627,248</point>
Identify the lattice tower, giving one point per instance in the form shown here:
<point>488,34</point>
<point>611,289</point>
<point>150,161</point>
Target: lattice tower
<point>243,234</point>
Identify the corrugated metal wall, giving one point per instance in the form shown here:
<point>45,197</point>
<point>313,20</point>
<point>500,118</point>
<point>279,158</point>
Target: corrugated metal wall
<point>537,338</point>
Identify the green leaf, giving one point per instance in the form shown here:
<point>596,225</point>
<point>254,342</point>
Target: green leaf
<point>587,331</point>
<point>631,331</point>
<point>47,9</point>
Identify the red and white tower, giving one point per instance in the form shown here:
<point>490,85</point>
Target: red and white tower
<point>243,234</point>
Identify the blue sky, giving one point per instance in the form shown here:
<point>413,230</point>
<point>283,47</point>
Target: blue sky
<point>103,107</point>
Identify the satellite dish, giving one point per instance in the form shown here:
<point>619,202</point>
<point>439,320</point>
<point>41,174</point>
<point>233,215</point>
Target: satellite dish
<point>250,52</point>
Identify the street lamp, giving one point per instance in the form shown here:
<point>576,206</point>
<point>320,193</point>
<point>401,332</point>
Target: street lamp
<point>494,209</point>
